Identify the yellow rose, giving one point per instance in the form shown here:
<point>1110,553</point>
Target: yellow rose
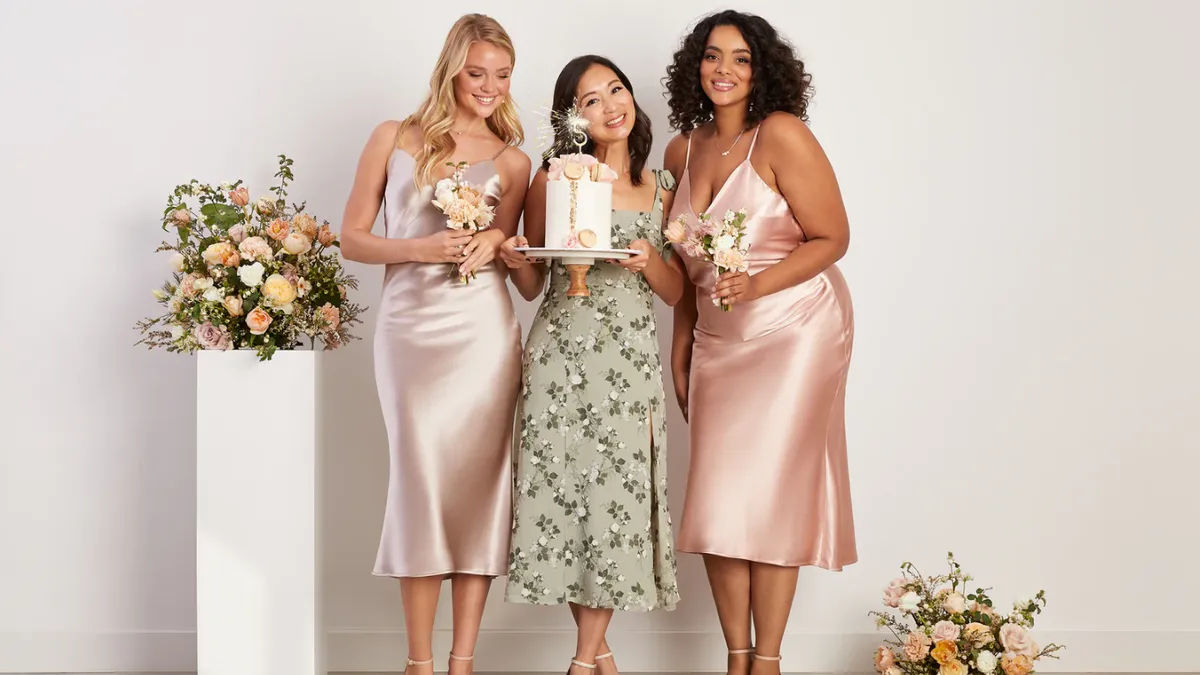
<point>953,667</point>
<point>217,253</point>
<point>944,652</point>
<point>977,634</point>
<point>1018,664</point>
<point>278,290</point>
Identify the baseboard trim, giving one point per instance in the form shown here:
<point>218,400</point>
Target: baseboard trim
<point>517,651</point>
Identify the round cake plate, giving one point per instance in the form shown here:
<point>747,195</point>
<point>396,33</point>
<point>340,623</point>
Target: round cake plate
<point>578,253</point>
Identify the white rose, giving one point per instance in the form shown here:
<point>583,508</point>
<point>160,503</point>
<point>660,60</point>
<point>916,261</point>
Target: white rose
<point>955,603</point>
<point>909,602</point>
<point>176,331</point>
<point>724,242</point>
<point>177,262</point>
<point>202,284</point>
<point>986,663</point>
<point>252,275</point>
<point>296,243</point>
<point>214,294</point>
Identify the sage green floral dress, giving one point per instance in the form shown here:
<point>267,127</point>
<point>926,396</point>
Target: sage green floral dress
<point>591,524</point>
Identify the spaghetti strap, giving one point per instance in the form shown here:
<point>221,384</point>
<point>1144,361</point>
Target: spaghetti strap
<point>497,155</point>
<point>688,156</point>
<point>754,140</point>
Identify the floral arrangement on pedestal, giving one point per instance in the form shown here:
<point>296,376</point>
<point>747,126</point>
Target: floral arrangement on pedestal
<point>249,273</point>
<point>942,628</point>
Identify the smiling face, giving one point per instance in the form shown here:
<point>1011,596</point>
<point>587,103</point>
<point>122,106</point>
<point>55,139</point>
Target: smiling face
<point>726,74</point>
<point>483,83</point>
<point>606,103</point>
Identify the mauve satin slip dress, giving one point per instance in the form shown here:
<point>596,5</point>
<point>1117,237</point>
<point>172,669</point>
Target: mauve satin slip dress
<point>448,371</point>
<point>768,480</point>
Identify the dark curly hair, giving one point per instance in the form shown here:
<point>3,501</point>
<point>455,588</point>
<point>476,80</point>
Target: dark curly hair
<point>780,81</point>
<point>640,139</point>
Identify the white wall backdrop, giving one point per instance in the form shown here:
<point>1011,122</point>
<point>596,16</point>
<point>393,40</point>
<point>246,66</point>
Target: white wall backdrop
<point>1020,181</point>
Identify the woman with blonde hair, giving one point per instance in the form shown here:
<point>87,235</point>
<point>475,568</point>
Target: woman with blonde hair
<point>447,353</point>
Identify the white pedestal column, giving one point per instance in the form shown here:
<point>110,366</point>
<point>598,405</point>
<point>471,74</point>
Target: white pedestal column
<point>257,567</point>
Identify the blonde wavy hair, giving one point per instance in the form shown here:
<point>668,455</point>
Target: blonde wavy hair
<point>435,117</point>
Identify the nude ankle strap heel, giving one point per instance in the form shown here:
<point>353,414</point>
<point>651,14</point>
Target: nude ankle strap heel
<point>607,655</point>
<point>462,658</point>
<point>767,658</point>
<point>742,651</point>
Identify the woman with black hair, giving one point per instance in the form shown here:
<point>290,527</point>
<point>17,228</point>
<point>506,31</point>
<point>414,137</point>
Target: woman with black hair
<point>764,384</point>
<point>591,527</point>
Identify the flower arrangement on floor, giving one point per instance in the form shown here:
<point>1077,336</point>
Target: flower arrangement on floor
<point>249,274</point>
<point>944,629</point>
<point>719,243</point>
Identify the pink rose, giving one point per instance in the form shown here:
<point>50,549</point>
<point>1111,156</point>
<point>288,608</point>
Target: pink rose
<point>884,659</point>
<point>331,316</point>
<point>1016,639</point>
<point>946,631</point>
<point>255,248</point>
<point>893,593</point>
<point>181,217</point>
<point>732,260</point>
<point>916,646</point>
<point>240,196</point>
<point>237,233</point>
<point>278,229</point>
<point>325,235</point>
<point>211,337</point>
<point>258,321</point>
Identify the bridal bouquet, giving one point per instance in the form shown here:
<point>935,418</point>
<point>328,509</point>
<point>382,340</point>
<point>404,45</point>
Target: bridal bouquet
<point>942,628</point>
<point>464,205</point>
<point>248,274</point>
<point>719,243</point>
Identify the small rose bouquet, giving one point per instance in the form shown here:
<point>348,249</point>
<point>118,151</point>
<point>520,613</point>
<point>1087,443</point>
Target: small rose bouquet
<point>464,205</point>
<point>249,274</point>
<point>944,629</point>
<point>720,243</point>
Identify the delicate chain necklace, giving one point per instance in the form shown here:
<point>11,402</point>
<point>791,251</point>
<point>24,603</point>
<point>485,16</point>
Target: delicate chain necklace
<point>734,143</point>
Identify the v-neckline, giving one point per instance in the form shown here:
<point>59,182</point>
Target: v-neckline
<point>720,191</point>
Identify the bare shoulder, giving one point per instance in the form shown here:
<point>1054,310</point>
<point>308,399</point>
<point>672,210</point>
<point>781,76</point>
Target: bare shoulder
<point>789,134</point>
<point>513,159</point>
<point>514,165</point>
<point>675,155</point>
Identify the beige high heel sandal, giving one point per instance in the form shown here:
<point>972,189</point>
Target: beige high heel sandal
<point>409,662</point>
<point>461,658</point>
<point>581,664</point>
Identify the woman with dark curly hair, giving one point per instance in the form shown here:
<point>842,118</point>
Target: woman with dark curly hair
<point>763,386</point>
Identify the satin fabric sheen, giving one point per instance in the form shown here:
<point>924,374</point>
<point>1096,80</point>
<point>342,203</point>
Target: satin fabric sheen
<point>448,368</point>
<point>768,480</point>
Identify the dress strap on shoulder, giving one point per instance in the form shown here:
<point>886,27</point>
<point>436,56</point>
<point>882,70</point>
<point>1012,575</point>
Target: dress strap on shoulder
<point>688,155</point>
<point>754,139</point>
<point>497,155</point>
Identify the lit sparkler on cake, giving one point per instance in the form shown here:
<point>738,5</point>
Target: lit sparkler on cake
<point>578,201</point>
